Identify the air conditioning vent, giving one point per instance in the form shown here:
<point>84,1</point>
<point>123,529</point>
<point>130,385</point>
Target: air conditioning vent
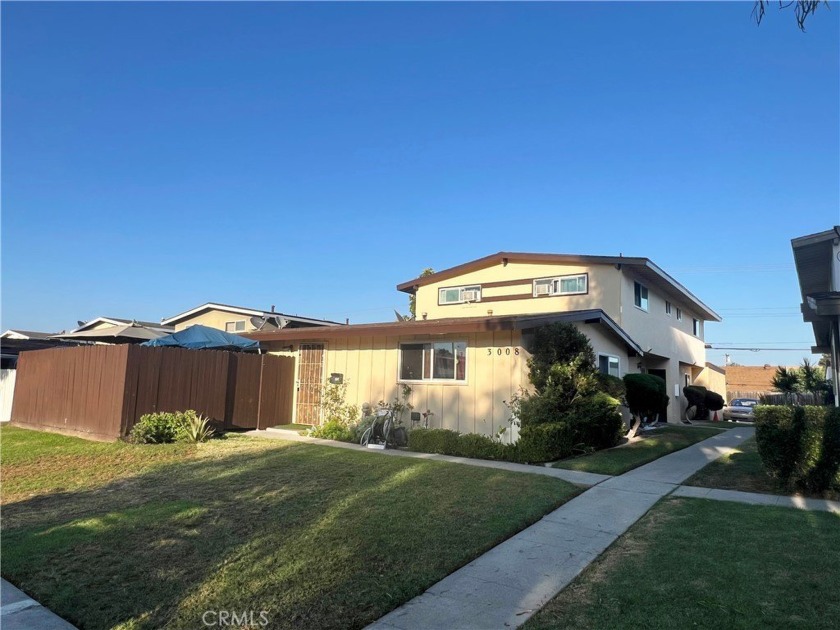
<point>471,296</point>
<point>543,289</point>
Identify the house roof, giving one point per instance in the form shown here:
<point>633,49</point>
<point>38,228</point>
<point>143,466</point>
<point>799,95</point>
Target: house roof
<point>750,378</point>
<point>120,321</point>
<point>242,310</point>
<point>25,334</point>
<point>813,255</point>
<point>643,267</point>
<point>447,326</point>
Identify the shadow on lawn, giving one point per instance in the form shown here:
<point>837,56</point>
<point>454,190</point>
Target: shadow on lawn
<point>315,536</point>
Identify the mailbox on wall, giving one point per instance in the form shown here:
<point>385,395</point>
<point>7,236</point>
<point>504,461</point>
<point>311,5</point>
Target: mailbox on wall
<point>336,378</point>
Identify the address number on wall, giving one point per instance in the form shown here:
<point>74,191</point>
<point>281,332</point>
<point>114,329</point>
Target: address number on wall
<point>502,352</point>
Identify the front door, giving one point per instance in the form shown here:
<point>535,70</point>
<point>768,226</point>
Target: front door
<point>663,413</point>
<point>309,383</point>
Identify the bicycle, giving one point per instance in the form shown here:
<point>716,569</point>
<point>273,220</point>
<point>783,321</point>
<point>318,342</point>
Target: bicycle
<point>384,431</point>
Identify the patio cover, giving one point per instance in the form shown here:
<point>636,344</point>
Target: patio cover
<point>130,333</point>
<point>202,338</point>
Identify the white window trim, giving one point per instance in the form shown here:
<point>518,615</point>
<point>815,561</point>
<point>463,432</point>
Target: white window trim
<point>641,308</point>
<point>555,281</point>
<point>435,381</point>
<point>609,356</point>
<point>679,314</point>
<point>668,308</point>
<point>234,323</point>
<point>695,327</point>
<point>461,289</point>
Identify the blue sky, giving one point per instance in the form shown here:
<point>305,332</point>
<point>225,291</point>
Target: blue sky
<point>158,156</point>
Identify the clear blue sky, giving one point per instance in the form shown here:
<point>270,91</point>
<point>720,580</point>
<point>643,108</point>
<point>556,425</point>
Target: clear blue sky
<point>157,156</point>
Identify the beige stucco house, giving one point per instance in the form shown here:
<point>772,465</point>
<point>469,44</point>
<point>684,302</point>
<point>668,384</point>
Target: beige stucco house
<point>239,319</point>
<point>465,356</point>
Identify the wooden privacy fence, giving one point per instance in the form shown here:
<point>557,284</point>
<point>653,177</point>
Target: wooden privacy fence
<point>101,391</point>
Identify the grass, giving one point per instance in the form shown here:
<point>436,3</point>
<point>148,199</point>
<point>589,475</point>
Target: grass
<point>692,563</point>
<point>653,445</point>
<point>130,536</point>
<point>743,470</point>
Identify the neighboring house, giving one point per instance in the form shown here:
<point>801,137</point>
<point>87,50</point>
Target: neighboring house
<point>12,343</point>
<point>239,319</point>
<point>749,380</point>
<point>817,258</point>
<point>103,323</point>
<point>466,355</point>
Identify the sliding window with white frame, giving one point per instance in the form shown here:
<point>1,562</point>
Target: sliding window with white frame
<point>443,361</point>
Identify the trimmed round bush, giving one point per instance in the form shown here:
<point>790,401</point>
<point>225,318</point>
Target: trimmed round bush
<point>646,394</point>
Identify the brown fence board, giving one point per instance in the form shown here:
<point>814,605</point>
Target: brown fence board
<point>276,391</point>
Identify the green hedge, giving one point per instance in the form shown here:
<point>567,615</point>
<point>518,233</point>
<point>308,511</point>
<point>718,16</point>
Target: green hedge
<point>537,444</point>
<point>800,446</point>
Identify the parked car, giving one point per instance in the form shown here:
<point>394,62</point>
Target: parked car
<point>740,409</point>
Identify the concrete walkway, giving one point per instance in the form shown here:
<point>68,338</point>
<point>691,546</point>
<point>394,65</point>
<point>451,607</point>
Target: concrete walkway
<point>508,584</point>
<point>18,611</point>
<point>754,498</point>
<point>576,477</point>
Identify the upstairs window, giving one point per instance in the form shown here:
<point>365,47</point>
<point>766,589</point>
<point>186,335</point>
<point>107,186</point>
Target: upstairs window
<point>608,365</point>
<point>695,327</point>
<point>235,327</point>
<point>679,314</point>
<point>562,285</point>
<point>640,296</point>
<point>438,361</point>
<point>667,308</point>
<point>459,295</point>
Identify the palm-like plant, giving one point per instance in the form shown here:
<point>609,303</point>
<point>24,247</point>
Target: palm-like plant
<point>812,378</point>
<point>786,381</point>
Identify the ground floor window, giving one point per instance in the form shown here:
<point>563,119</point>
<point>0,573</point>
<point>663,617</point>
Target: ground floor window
<point>438,361</point>
<point>609,365</point>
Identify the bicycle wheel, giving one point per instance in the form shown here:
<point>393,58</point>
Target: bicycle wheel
<point>366,436</point>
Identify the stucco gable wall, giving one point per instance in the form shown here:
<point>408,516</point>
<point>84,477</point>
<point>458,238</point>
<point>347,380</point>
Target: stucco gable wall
<point>603,291</point>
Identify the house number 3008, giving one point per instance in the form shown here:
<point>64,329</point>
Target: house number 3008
<point>503,351</point>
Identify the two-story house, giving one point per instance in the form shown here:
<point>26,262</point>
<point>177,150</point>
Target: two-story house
<point>239,319</point>
<point>465,355</point>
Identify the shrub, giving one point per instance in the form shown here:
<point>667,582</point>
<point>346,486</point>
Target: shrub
<point>156,428</point>
<point>713,401</point>
<point>611,385</point>
<point>543,443</point>
<point>695,396</point>
<point>646,394</point>
<point>178,426</point>
<point>441,441</point>
<point>333,430</point>
<point>558,343</point>
<point>826,472</point>
<point>800,446</point>
<point>334,406</point>
<point>777,440</point>
<point>479,447</point>
<point>194,427</point>
<point>596,422</point>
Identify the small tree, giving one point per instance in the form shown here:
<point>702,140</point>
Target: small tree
<point>812,379</point>
<point>412,299</point>
<point>786,381</point>
<point>713,401</point>
<point>559,344</point>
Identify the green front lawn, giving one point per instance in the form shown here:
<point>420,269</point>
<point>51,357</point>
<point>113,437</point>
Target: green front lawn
<point>692,563</point>
<point>653,445</point>
<point>118,535</point>
<point>743,470</point>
